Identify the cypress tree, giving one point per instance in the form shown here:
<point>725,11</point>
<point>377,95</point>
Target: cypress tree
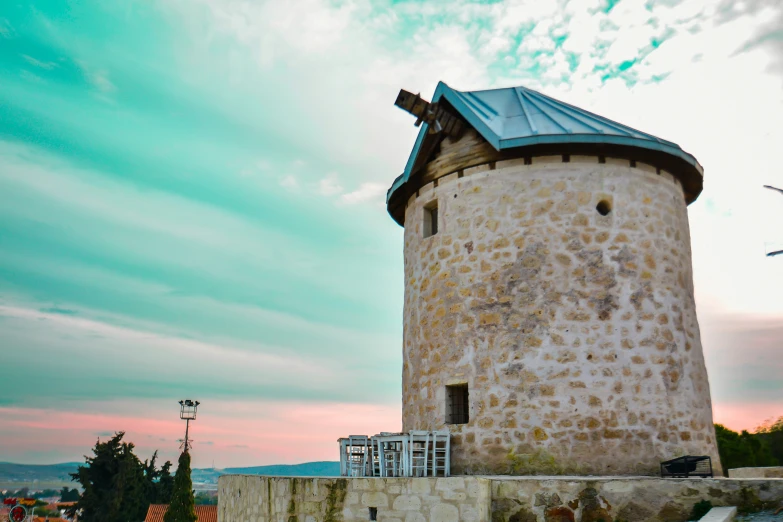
<point>183,505</point>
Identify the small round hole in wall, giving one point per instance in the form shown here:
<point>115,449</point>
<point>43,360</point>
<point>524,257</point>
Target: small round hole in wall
<point>603,207</point>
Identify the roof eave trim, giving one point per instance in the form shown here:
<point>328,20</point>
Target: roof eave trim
<point>602,139</point>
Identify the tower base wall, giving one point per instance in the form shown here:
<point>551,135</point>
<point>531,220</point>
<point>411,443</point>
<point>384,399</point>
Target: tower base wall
<point>560,293</point>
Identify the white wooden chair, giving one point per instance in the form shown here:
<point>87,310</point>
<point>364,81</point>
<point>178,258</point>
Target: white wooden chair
<point>393,448</point>
<point>376,457</point>
<point>343,442</point>
<point>441,453</point>
<point>358,453</point>
<point>418,456</point>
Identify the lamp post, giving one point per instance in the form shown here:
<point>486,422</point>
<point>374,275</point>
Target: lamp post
<point>187,411</point>
<point>774,252</point>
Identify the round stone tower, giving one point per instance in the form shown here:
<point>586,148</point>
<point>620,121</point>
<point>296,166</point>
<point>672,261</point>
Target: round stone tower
<point>549,317</point>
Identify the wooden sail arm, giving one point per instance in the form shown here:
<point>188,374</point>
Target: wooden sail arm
<point>439,119</point>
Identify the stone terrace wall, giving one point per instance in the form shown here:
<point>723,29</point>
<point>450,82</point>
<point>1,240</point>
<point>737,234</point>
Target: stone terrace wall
<point>244,498</point>
<point>476,499</point>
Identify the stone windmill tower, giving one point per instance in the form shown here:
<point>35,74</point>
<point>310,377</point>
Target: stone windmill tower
<point>549,317</point>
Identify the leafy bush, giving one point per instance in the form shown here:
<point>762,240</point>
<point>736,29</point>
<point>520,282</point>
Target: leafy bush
<point>700,509</point>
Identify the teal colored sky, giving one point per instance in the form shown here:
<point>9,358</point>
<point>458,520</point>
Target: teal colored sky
<point>191,200</point>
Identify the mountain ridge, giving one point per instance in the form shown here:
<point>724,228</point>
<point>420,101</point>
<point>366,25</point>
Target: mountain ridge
<point>24,473</point>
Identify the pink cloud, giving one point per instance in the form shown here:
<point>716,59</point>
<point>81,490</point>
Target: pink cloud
<point>745,416</point>
<point>238,434</point>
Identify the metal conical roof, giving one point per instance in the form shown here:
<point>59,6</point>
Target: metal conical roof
<point>521,117</point>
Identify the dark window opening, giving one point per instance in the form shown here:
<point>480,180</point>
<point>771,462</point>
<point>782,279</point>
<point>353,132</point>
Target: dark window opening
<point>431,219</point>
<point>457,405</point>
<point>373,513</point>
<point>603,207</point>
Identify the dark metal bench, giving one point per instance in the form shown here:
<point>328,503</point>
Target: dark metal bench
<point>688,466</point>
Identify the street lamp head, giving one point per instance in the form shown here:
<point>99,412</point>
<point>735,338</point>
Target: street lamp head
<point>187,410</point>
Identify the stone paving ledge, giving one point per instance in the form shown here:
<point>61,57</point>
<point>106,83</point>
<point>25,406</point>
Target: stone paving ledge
<point>766,472</point>
<point>720,514</point>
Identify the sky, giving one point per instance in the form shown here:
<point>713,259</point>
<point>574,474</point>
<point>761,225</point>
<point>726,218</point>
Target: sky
<point>192,202</point>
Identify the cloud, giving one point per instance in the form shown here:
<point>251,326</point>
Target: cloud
<point>289,182</point>
<point>37,63</point>
<point>58,310</point>
<point>329,186</point>
<point>251,370</point>
<point>366,192</point>
<point>98,78</point>
<point>242,433</point>
<point>6,30</point>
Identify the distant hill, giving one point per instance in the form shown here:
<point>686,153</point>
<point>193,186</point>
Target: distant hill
<point>10,472</point>
<point>308,469</point>
<point>28,473</point>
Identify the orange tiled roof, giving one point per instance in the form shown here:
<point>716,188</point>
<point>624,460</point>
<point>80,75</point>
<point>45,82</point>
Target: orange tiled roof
<point>203,513</point>
<point>50,519</point>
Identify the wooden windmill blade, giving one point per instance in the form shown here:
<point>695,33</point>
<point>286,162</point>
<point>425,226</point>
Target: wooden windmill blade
<point>438,118</point>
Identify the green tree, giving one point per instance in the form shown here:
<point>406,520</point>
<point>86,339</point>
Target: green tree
<point>741,450</point>
<point>205,499</point>
<point>771,434</point>
<point>117,486</point>
<point>158,483</point>
<point>69,495</point>
<point>183,506</point>
<point>165,484</point>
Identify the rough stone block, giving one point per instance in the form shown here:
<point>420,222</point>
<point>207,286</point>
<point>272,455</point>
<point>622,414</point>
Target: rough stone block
<point>455,495</point>
<point>444,513</point>
<point>468,513</point>
<point>375,499</point>
<point>450,484</point>
<point>407,503</point>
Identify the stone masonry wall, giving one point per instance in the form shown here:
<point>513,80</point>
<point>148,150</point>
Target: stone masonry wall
<point>245,498</point>
<point>636,499</point>
<point>575,332</point>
